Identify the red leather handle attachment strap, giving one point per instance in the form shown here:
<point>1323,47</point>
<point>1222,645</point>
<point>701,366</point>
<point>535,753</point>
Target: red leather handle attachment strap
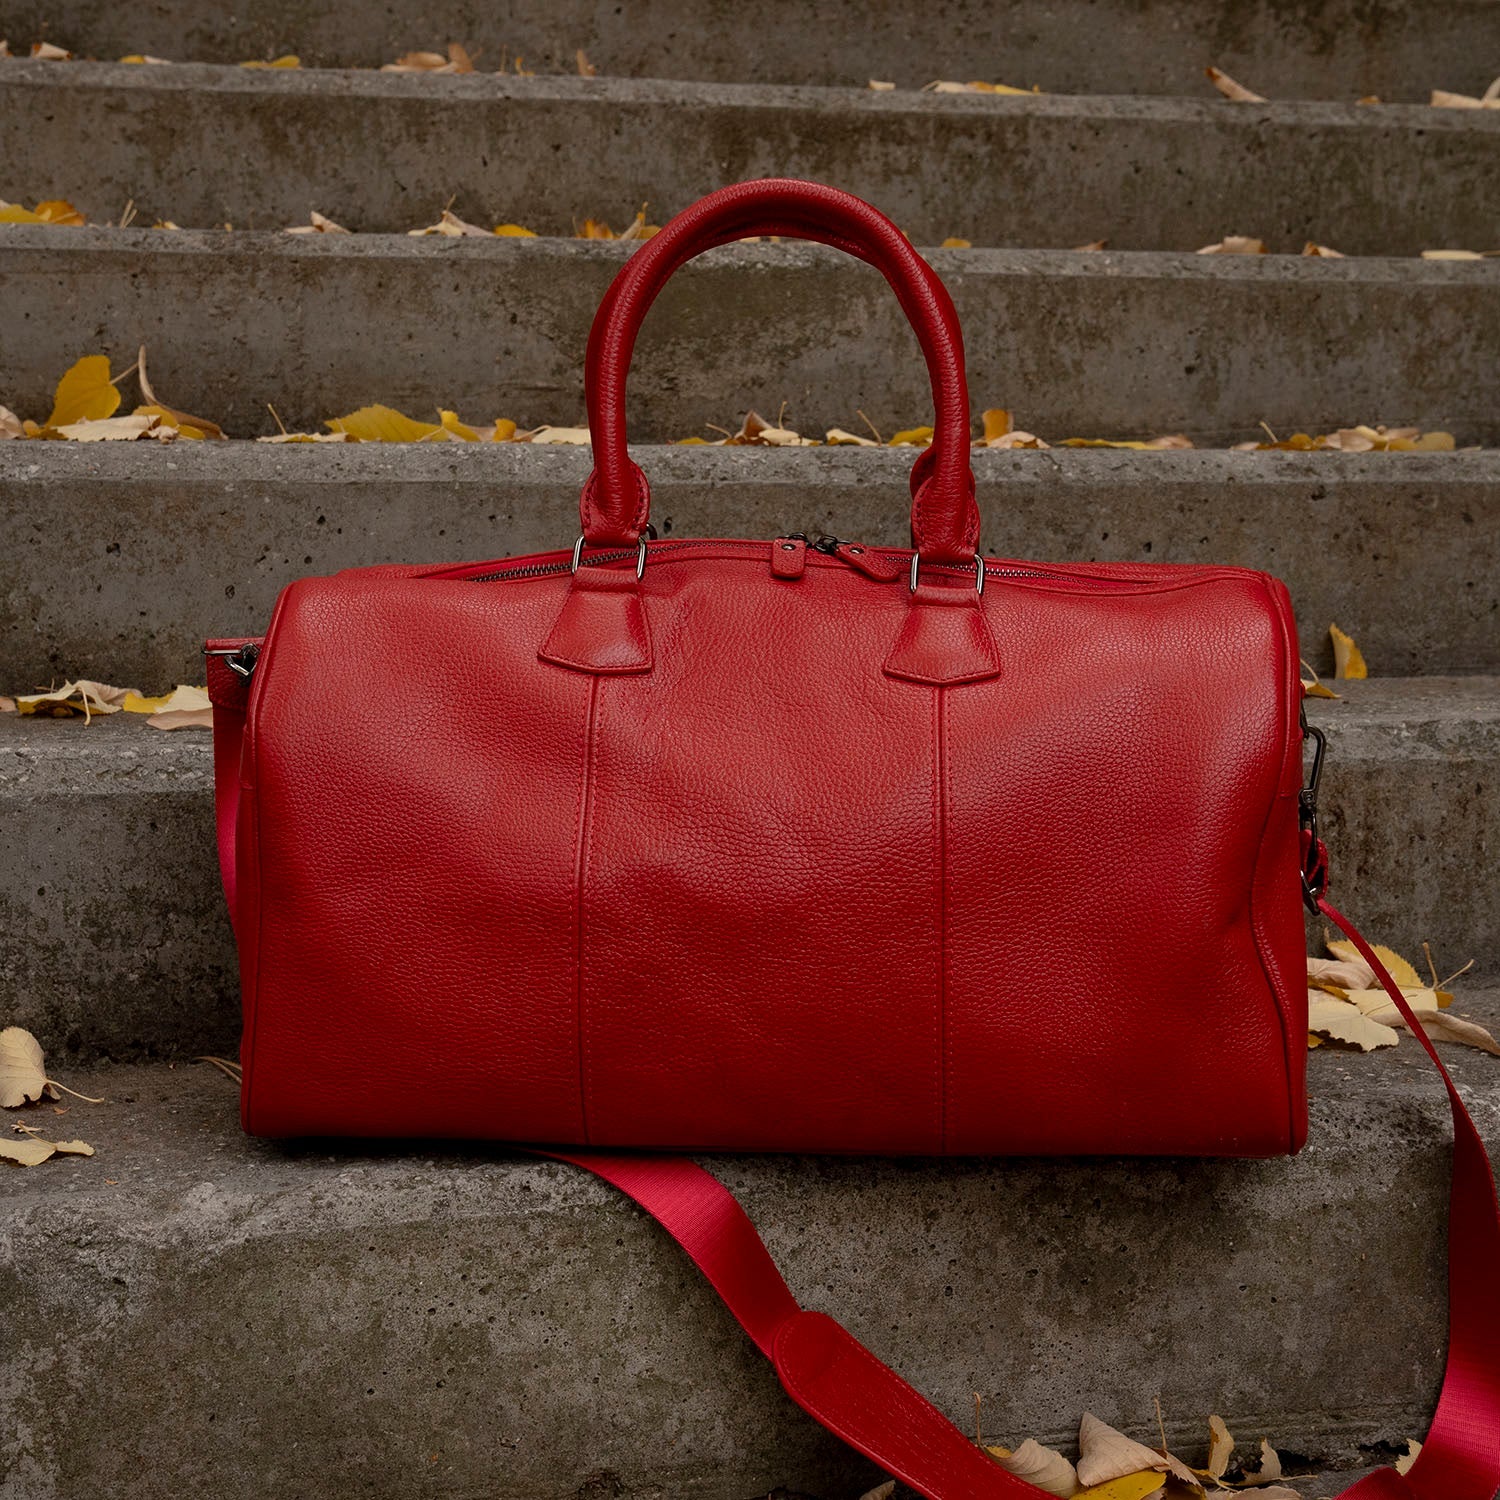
<point>836,1380</point>
<point>615,504</point>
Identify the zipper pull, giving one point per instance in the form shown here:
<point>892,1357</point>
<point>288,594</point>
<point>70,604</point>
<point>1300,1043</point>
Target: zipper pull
<point>863,560</point>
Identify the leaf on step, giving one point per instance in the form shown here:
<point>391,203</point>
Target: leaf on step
<point>1220,1448</point>
<point>182,718</point>
<point>997,423</point>
<point>52,211</point>
<point>317,224</point>
<point>1045,1468</point>
<point>1270,1466</point>
<point>383,424</point>
<point>1235,244</point>
<point>184,422</point>
<point>911,437</point>
<point>34,1150</point>
<point>1342,973</point>
<point>457,60</point>
<point>11,426</point>
<point>1127,1487</point>
<point>881,86</point>
<point>1348,662</point>
<point>1339,1021</point>
<point>954,243</point>
<point>1400,970</point>
<point>23,1077</point>
<point>881,1491</point>
<point>1313,248</point>
<point>576,436</point>
<point>1312,686</point>
<point>85,393</point>
<point>287,60</point>
<point>756,432</point>
<point>47,52</point>
<point>1145,445</point>
<point>306,437</point>
<point>181,699</point>
<point>1407,1459</point>
<point>515,232</point>
<point>1230,89</point>
<point>945,86</point>
<point>1443,1026</point>
<point>1489,99</point>
<point>143,423</point>
<point>450,226</point>
<point>836,437</point>
<point>1105,1453</point>
<point>145,57</point>
<point>73,699</point>
<point>1452,255</point>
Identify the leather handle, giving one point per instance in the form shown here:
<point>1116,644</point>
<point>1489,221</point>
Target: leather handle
<point>615,504</point>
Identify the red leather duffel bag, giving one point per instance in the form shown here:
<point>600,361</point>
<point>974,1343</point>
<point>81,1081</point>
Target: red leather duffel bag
<point>775,845</point>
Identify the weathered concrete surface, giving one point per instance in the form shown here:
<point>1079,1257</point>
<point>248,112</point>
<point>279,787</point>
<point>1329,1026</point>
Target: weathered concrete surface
<point>190,1311</point>
<point>1092,345</point>
<point>114,941</point>
<point>117,560</point>
<point>1334,50</point>
<point>203,146</point>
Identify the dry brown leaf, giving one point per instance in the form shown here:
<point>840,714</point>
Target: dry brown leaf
<point>1407,1459</point>
<point>881,1491</point>
<point>450,226</point>
<point>140,424</point>
<point>1442,1026</point>
<point>575,436</point>
<point>11,426</point>
<point>1092,245</point>
<point>1345,973</point>
<point>1452,254</point>
<point>1270,1466</point>
<point>1232,90</point>
<point>1313,248</point>
<point>881,86</point>
<point>954,243</point>
<point>48,53</point>
<point>182,718</point>
<point>1104,1453</point>
<point>1489,99</point>
<point>1235,244</point>
<point>317,224</point>
<point>181,420</point>
<point>1339,1021</point>
<point>837,437</point>
<point>34,1150</point>
<point>586,69</point>
<point>72,699</point>
<point>23,1077</point>
<point>1045,1468</point>
<point>1220,1448</point>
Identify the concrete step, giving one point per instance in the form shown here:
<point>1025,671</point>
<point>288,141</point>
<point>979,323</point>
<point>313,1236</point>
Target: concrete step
<point>202,146</point>
<point>1333,50</point>
<point>116,560</point>
<point>1093,345</point>
<point>114,941</point>
<point>192,1311</point>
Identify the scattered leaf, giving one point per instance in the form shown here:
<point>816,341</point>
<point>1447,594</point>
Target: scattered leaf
<point>1045,1468</point>
<point>72,699</point>
<point>911,437</point>
<point>11,425</point>
<point>836,437</point>
<point>1235,244</point>
<point>1489,99</point>
<point>881,86</point>
<point>1400,970</point>
<point>85,393</point>
<point>881,1491</point>
<point>1270,1466</point>
<point>383,424</point>
<point>1104,1454</point>
<point>1220,1448</point>
<point>953,243</point>
<point>1313,248</point>
<point>1126,1487</point>
<point>182,698</point>
<point>1232,90</point>
<point>1339,1021</point>
<point>33,1151</point>
<point>317,224</point>
<point>1407,1459</point>
<point>1348,663</point>
<point>515,232</point>
<point>23,1077</point>
<point>450,226</point>
<point>288,60</point>
<point>456,60</point>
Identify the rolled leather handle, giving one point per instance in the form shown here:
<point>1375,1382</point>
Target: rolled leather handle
<point>615,504</point>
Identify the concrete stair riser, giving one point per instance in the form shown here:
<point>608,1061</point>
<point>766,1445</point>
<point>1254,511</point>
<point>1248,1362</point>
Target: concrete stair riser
<point>1336,49</point>
<point>115,939</point>
<point>201,146</point>
<point>1092,345</point>
<point>117,560</point>
<point>332,1317</point>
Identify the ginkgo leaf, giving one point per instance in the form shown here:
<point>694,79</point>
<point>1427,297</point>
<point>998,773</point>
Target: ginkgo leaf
<point>139,424</point>
<point>382,424</point>
<point>1126,1487</point>
<point>881,1491</point>
<point>1270,1466</point>
<point>997,423</point>
<point>1407,1459</point>
<point>911,437</point>
<point>1146,445</point>
<point>72,698</point>
<point>450,226</point>
<point>1045,1468</point>
<point>1313,248</point>
<point>1401,971</point>
<point>29,1152</point>
<point>287,60</point>
<point>1344,973</point>
<point>459,429</point>
<point>317,224</point>
<point>1339,1021</point>
<point>577,436</point>
<point>11,426</point>
<point>1105,1453</point>
<point>84,393</point>
<point>1374,1001</point>
<point>1348,662</point>
<point>515,231</point>
<point>1441,1026</point>
<point>307,437</point>
<point>953,242</point>
<point>182,698</point>
<point>836,437</point>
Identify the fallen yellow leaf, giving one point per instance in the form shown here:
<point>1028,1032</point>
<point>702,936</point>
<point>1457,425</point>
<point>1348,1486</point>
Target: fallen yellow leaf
<point>1127,1487</point>
<point>33,1150</point>
<point>1347,661</point>
<point>85,393</point>
<point>23,1079</point>
<point>181,699</point>
<point>382,424</point>
<point>1045,1468</point>
<point>911,437</point>
<point>1105,1454</point>
<point>289,60</point>
<point>1339,1021</point>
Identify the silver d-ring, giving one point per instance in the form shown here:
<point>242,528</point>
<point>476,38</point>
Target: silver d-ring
<point>916,559</point>
<point>640,555</point>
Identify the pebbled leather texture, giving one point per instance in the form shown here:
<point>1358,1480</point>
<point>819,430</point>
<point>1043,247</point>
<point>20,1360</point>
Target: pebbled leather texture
<point>722,859</point>
<point>766,895</point>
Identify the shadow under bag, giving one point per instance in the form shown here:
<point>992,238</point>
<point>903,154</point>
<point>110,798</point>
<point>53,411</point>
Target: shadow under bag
<point>722,845</point>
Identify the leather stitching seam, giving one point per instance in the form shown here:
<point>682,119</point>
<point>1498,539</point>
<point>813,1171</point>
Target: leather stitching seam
<point>582,849</point>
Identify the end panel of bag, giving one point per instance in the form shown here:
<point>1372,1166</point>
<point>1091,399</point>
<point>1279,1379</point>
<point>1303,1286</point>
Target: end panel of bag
<point>418,802</point>
<point>1115,825</point>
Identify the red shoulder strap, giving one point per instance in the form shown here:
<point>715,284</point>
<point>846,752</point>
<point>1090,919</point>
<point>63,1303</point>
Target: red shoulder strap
<point>835,1379</point>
